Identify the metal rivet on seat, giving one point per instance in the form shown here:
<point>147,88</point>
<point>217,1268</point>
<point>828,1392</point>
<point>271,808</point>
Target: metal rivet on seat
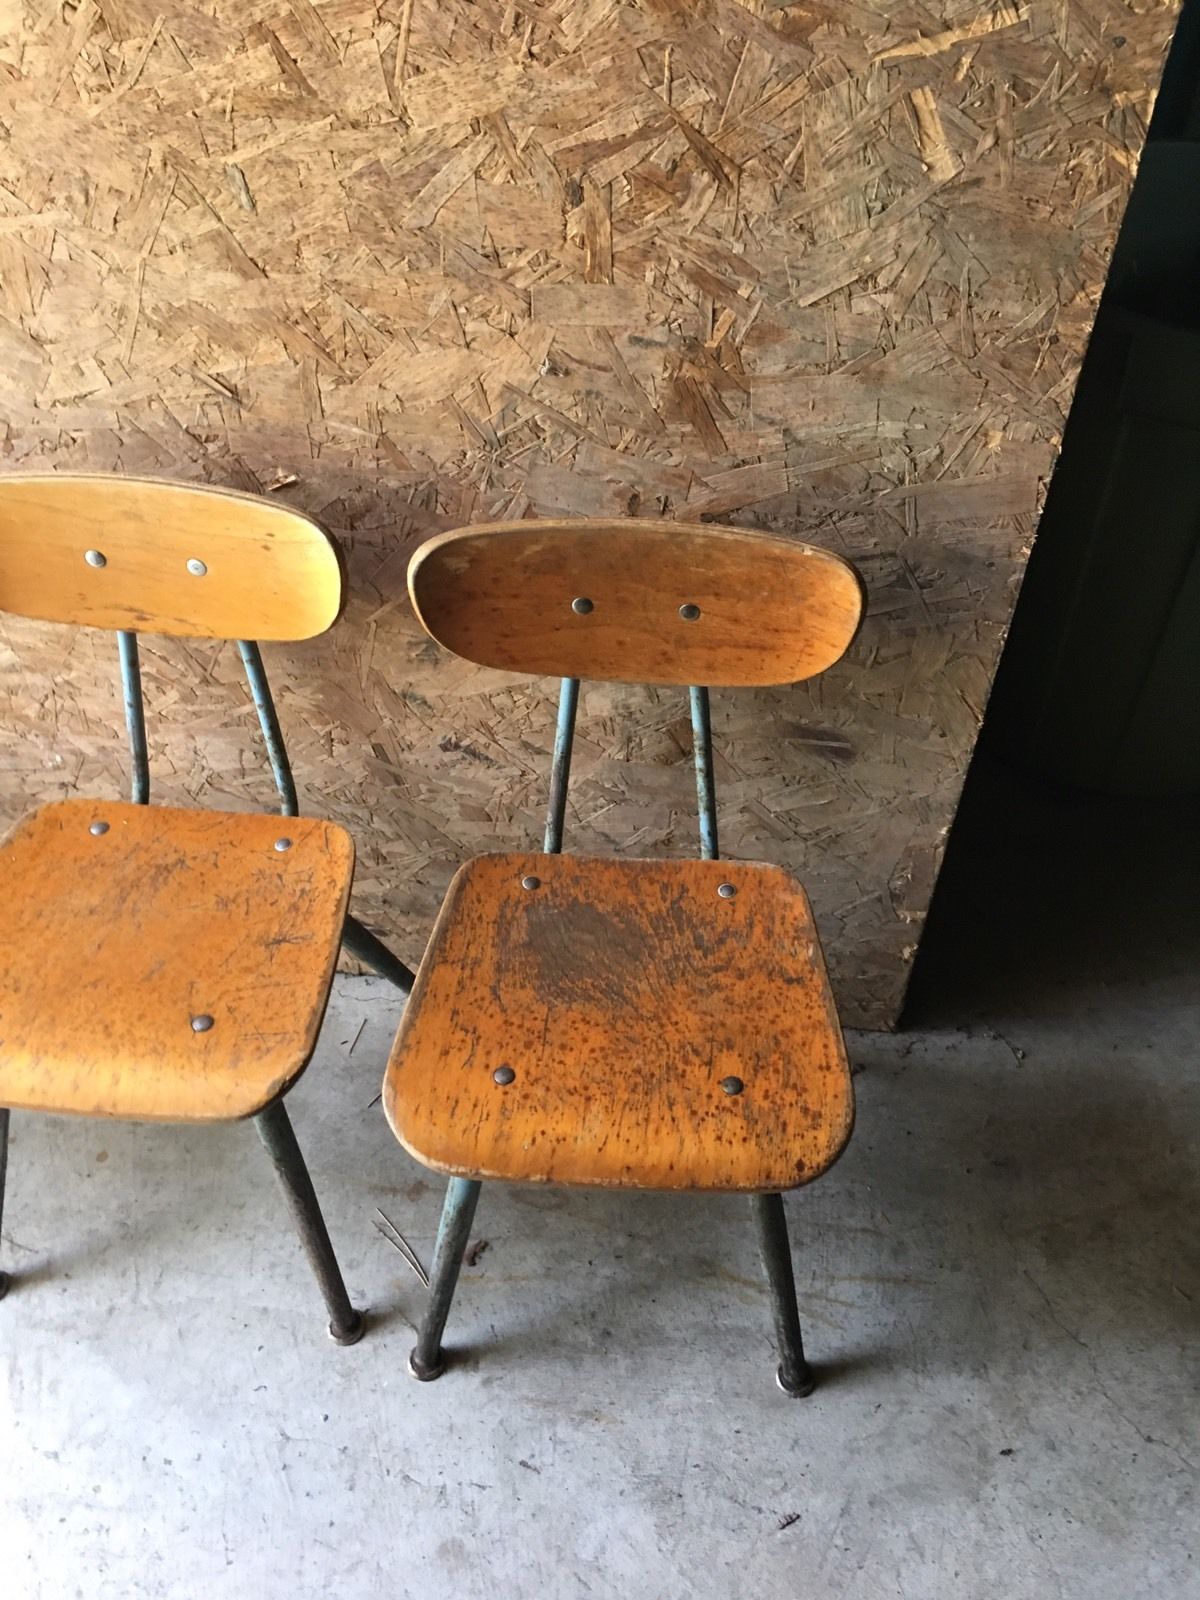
<point>503,1075</point>
<point>732,1085</point>
<point>530,882</point>
<point>581,606</point>
<point>98,828</point>
<point>283,844</point>
<point>196,567</point>
<point>726,890</point>
<point>95,558</point>
<point>689,612</point>
<point>202,1023</point>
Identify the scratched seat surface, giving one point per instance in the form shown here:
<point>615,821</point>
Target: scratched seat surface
<point>620,998</point>
<point>113,940</point>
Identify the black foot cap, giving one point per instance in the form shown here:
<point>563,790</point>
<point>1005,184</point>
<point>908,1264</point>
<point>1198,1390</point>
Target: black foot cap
<point>798,1390</point>
<point>426,1373</point>
<point>352,1333</point>
<point>5,1283</point>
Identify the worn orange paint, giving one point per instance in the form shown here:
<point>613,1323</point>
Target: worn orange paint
<point>637,601</point>
<point>271,572</point>
<point>111,943</point>
<point>621,993</point>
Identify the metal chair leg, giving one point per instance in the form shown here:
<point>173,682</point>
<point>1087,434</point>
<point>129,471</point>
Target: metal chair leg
<point>277,1134</point>
<point>364,946</point>
<point>458,1212</point>
<point>5,1278</point>
<point>795,1375</point>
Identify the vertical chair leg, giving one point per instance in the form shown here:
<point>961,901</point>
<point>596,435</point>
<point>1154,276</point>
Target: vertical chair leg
<point>276,1132</point>
<point>5,1279</point>
<point>795,1375</point>
<point>458,1212</point>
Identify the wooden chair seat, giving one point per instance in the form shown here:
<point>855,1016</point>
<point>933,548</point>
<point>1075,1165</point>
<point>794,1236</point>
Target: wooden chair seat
<point>125,927</point>
<point>614,1022</point>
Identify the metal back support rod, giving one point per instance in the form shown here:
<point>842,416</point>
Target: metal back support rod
<point>560,771</point>
<point>264,704</point>
<point>706,790</point>
<point>135,718</point>
<point>268,721</point>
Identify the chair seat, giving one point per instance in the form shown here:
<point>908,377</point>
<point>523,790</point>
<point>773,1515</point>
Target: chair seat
<point>123,923</point>
<point>622,1001</point>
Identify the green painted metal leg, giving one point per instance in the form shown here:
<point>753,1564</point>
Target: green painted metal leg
<point>5,1279</point>
<point>276,1132</point>
<point>364,946</point>
<point>795,1375</point>
<point>458,1213</point>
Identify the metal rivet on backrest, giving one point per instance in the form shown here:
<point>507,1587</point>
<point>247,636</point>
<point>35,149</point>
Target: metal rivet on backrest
<point>530,882</point>
<point>689,612</point>
<point>95,558</point>
<point>283,844</point>
<point>98,828</point>
<point>503,1076</point>
<point>196,567</point>
<point>732,1085</point>
<point>202,1023</point>
<point>726,890</point>
<point>581,605</point>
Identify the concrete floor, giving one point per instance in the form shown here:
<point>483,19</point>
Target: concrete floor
<point>1000,1284</point>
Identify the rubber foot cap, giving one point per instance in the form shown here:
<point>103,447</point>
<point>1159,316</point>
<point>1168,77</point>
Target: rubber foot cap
<point>425,1374</point>
<point>351,1334</point>
<point>798,1391</point>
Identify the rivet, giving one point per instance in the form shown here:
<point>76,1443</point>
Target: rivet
<point>95,558</point>
<point>531,882</point>
<point>689,612</point>
<point>726,890</point>
<point>503,1076</point>
<point>196,568</point>
<point>98,828</point>
<point>732,1085</point>
<point>582,606</point>
<point>283,844</point>
<point>202,1023</point>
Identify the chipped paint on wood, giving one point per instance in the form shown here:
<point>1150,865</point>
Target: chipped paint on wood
<point>620,995</point>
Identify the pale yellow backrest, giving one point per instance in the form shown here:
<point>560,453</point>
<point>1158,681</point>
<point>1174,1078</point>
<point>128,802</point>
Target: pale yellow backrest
<point>145,555</point>
<point>637,601</point>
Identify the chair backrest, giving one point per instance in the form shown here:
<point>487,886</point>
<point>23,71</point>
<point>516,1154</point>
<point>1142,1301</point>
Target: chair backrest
<point>641,602</point>
<point>156,557</point>
<point>637,601</point>
<point>140,555</point>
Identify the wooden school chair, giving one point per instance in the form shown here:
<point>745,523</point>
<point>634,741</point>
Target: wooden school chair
<point>645,1024</point>
<point>162,964</point>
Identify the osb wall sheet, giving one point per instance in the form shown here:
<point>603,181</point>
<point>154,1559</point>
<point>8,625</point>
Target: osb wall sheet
<point>823,268</point>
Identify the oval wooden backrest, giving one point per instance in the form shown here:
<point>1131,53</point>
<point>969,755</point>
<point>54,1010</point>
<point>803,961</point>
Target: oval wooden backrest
<point>149,556</point>
<point>637,601</point>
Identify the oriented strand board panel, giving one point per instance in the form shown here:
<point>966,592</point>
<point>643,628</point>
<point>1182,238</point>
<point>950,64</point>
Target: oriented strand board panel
<point>823,268</point>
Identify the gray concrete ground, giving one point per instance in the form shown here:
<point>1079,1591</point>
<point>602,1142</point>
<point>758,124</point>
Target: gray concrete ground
<point>999,1281</point>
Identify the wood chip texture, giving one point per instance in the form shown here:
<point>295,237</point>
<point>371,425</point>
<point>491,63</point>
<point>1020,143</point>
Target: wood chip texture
<point>822,269</point>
